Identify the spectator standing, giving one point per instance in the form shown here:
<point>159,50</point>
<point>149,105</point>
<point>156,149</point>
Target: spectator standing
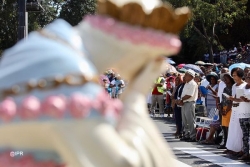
<point>246,70</point>
<point>225,108</point>
<point>197,79</point>
<point>204,83</point>
<point>188,99</point>
<point>111,75</point>
<point>223,56</point>
<point>212,88</point>
<point>234,141</point>
<point>117,86</point>
<point>170,87</point>
<point>180,82</point>
<point>206,58</point>
<point>239,49</point>
<point>222,84</point>
<point>244,116</point>
<point>106,86</point>
<point>157,96</point>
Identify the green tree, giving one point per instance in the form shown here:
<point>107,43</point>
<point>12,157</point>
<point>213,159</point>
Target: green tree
<point>210,19</point>
<point>51,10</point>
<point>36,20</point>
<point>8,19</point>
<point>74,10</point>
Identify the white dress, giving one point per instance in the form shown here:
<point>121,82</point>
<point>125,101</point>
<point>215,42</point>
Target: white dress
<point>245,112</point>
<point>234,140</point>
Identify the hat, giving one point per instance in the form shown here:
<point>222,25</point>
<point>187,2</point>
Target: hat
<point>191,72</point>
<point>212,74</point>
<point>208,64</point>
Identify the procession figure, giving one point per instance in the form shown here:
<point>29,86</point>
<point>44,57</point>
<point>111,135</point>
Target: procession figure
<point>53,109</point>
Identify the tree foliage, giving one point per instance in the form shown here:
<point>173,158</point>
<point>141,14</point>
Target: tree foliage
<point>210,20</point>
<point>74,10</point>
<point>8,19</point>
<point>70,10</point>
<point>215,24</point>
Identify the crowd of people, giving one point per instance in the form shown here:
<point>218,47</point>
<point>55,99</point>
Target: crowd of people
<point>113,83</point>
<point>225,95</point>
<point>232,55</point>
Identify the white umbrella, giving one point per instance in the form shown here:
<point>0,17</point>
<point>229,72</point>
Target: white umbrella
<point>170,69</point>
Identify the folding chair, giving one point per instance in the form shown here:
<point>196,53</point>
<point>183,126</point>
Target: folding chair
<point>204,122</point>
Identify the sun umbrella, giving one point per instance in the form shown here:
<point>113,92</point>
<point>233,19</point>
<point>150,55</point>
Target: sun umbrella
<point>239,65</point>
<point>193,67</point>
<point>199,63</point>
<point>182,70</point>
<point>170,61</point>
<point>170,69</point>
<point>180,66</point>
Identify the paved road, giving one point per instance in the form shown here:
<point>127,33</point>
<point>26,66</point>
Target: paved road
<point>195,154</point>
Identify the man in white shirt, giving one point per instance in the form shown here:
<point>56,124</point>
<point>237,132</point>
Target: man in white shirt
<point>117,86</point>
<point>188,98</point>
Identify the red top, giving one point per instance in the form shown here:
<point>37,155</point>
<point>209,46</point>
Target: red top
<point>155,91</point>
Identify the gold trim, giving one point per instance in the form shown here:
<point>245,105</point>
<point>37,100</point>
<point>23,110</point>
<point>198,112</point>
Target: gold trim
<point>163,17</point>
<point>47,84</point>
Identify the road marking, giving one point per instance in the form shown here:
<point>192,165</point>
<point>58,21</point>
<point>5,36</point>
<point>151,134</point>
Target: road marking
<point>211,157</point>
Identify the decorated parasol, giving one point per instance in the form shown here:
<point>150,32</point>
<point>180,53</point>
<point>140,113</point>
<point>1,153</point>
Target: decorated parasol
<point>182,70</point>
<point>181,66</point>
<point>193,67</point>
<point>170,69</point>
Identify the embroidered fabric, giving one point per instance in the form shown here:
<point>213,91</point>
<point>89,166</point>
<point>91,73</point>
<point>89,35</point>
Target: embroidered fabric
<point>47,83</point>
<point>136,35</point>
<point>59,106</point>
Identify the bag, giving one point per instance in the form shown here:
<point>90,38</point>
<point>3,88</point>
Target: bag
<point>204,133</point>
<point>203,90</point>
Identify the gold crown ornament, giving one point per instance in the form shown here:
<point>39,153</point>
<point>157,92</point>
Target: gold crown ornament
<point>146,13</point>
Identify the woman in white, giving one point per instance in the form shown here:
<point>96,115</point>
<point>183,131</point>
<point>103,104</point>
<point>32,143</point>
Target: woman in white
<point>234,142</point>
